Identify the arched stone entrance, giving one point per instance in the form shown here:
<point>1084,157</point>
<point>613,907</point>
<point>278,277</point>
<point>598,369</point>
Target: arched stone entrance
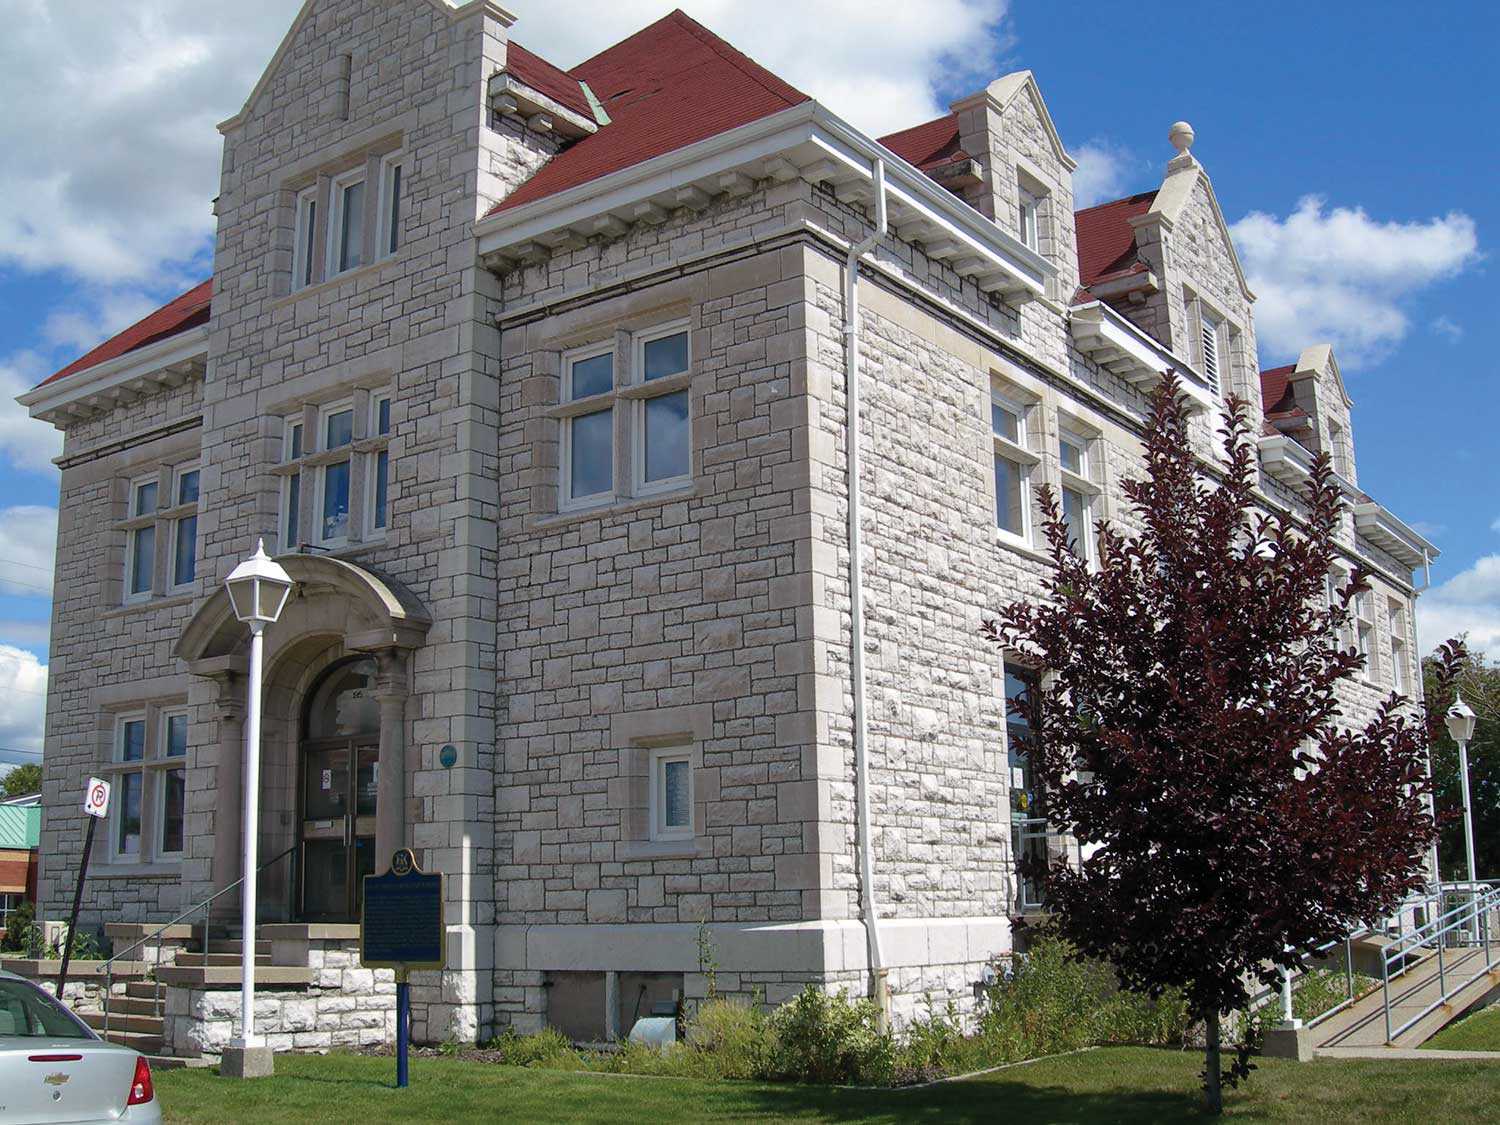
<point>340,616</point>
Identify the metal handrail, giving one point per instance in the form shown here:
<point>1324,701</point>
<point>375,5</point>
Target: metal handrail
<point>1476,909</point>
<point>107,968</point>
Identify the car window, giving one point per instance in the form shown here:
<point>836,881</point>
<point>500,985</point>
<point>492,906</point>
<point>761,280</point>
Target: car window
<point>27,1012</point>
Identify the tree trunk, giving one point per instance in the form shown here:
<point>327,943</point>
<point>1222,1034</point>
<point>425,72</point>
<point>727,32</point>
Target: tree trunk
<point>1213,1094</point>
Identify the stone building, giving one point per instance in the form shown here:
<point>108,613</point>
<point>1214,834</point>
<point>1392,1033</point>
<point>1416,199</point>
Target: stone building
<point>536,382</point>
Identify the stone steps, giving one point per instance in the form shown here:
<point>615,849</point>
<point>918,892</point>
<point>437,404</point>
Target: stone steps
<point>121,1021</point>
<point>192,960</point>
<point>228,976</point>
<point>144,1042</point>
<point>129,1005</point>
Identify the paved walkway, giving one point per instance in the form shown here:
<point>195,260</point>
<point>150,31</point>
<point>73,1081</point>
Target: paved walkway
<point>1361,1027</point>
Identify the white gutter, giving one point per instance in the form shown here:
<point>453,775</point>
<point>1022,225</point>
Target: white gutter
<point>857,596</point>
<point>131,369</point>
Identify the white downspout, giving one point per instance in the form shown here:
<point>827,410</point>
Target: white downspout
<point>878,986</point>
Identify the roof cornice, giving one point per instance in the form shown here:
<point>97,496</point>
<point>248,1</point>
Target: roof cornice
<point>133,375</point>
<point>806,141</point>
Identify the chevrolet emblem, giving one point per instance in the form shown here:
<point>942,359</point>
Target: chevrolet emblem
<point>57,1079</point>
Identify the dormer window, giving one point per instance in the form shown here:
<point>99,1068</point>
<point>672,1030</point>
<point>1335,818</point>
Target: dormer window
<point>1210,335</point>
<point>1029,219</point>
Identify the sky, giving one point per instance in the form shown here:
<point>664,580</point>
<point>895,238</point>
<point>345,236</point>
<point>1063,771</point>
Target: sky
<point>1351,146</point>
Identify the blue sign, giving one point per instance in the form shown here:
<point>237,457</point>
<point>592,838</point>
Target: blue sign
<point>401,925</point>
<point>448,755</point>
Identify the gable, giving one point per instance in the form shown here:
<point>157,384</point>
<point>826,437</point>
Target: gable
<point>1187,184</point>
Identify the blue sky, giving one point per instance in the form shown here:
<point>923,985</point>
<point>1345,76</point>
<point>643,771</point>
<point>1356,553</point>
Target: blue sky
<point>1351,145</point>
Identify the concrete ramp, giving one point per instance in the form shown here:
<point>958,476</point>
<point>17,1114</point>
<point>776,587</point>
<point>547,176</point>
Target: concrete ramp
<point>1361,1028</point>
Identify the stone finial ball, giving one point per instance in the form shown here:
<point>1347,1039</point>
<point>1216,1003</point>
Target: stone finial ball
<point>1181,136</point>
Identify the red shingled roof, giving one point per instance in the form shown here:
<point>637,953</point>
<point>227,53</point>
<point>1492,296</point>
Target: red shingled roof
<point>928,145</point>
<point>1106,240</point>
<point>178,315</point>
<point>536,72</point>
<point>1276,386</point>
<point>667,86</point>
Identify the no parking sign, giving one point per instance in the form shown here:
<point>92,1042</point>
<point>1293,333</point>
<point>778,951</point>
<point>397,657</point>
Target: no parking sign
<point>96,797</point>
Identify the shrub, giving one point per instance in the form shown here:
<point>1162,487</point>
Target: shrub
<point>830,1039</point>
<point>733,1036</point>
<point>548,1048</point>
<point>21,931</point>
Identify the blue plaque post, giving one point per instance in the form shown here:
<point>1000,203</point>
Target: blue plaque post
<point>401,928</point>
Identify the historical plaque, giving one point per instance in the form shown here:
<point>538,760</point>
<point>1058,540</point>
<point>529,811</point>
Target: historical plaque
<point>401,926</point>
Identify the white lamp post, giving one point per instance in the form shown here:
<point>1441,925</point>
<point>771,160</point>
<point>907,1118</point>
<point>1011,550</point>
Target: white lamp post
<point>1460,722</point>
<point>258,589</point>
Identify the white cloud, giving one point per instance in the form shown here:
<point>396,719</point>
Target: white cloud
<point>1337,275</point>
<point>1447,327</point>
<point>23,699</point>
<point>1103,172</point>
<point>28,544</point>
<point>24,442</point>
<point>1469,602</point>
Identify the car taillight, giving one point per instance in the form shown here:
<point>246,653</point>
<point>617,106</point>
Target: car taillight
<point>141,1090</point>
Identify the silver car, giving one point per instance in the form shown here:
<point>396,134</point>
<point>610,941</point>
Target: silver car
<point>54,1069</point>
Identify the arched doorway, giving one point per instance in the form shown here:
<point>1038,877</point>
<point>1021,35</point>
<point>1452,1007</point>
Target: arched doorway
<point>338,791</point>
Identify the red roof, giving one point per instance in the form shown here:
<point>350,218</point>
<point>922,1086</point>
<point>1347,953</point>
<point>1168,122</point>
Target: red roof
<point>667,86</point>
<point>1106,240</point>
<point>536,72</point>
<point>928,145</point>
<point>178,315</point>
<point>1275,386</point>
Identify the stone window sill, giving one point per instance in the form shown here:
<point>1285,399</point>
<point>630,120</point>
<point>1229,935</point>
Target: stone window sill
<point>1025,552</point>
<point>148,604</point>
<point>160,870</point>
<point>634,850</point>
<point>623,506</point>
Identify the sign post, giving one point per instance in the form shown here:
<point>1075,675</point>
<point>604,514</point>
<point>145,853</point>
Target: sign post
<point>401,928</point>
<point>96,804</point>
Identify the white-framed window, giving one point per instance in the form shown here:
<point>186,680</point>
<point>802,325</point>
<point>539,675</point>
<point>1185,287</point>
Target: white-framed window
<point>304,253</point>
<point>1364,631</point>
<point>10,901</point>
<point>1210,345</point>
<point>129,784</point>
<point>671,794</point>
<point>335,432</point>
<point>171,784</point>
<point>1029,217</point>
<point>292,451</point>
<point>346,223</point>
<point>378,470</point>
<point>1009,418</point>
<point>392,174</point>
<point>1400,662</point>
<point>140,553</point>
<point>588,436</point>
<point>662,445</point>
<point>1075,458</point>
<point>185,526</point>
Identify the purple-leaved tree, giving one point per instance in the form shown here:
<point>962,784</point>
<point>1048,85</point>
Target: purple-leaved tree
<point>1188,735</point>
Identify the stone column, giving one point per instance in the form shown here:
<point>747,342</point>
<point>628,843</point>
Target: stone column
<point>392,691</point>
<point>229,805</point>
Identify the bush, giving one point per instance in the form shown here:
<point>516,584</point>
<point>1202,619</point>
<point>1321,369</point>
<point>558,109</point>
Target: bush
<point>548,1048</point>
<point>830,1039</point>
<point>21,931</point>
<point>733,1036</point>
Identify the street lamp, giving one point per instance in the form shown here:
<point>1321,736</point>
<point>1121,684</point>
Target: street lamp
<point>258,589</point>
<point>1460,720</point>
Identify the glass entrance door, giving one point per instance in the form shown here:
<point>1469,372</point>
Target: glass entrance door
<point>339,779</point>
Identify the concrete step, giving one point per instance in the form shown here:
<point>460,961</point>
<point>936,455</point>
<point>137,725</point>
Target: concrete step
<point>142,990</point>
<point>118,1021</point>
<point>136,1005</point>
<point>192,960</point>
<point>145,1043</point>
<point>228,976</point>
<point>229,945</point>
<point>128,932</point>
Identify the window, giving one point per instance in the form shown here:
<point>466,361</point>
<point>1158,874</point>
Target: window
<point>1078,488</point>
<point>130,750</point>
<point>379,471</point>
<point>1400,665</point>
<point>663,449</point>
<point>9,901</point>
<point>337,430</point>
<point>141,554</point>
<point>1338,452</point>
<point>346,230</point>
<point>291,489</point>
<point>304,254</point>
<point>185,528</point>
<point>1364,625</point>
<point>390,204</point>
<point>589,437</point>
<point>1210,336</point>
<point>1029,209</point>
<point>1012,467</point>
<point>1343,632</point>
<point>148,769</point>
<point>671,795</point>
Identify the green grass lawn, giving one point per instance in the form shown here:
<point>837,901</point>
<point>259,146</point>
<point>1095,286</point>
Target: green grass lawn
<point>1116,1084</point>
<point>1477,1032</point>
